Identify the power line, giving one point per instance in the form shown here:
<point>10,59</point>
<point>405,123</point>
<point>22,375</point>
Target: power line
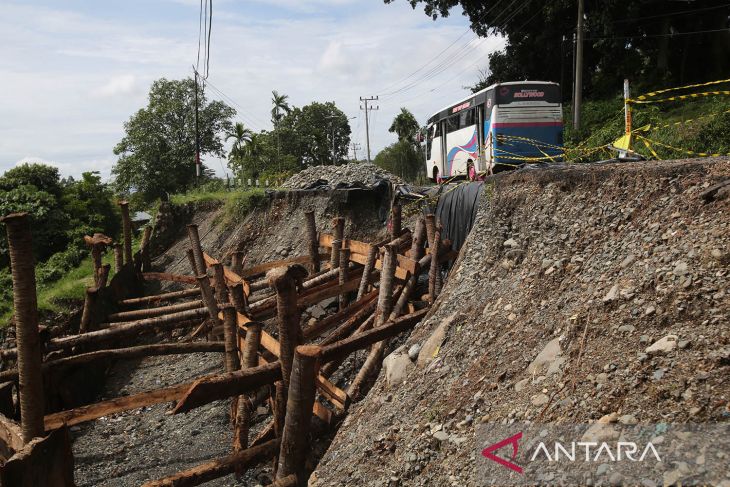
<point>250,121</point>
<point>695,10</point>
<point>658,35</point>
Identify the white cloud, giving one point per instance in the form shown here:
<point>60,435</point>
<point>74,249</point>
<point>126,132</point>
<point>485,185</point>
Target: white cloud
<point>118,85</point>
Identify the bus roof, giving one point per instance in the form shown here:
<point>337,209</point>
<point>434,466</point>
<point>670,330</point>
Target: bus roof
<point>488,88</point>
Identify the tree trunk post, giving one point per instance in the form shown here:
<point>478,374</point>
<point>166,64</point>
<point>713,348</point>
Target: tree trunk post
<point>313,240</point>
<point>430,229</point>
<point>30,378</point>
<point>433,274</point>
<point>118,258</point>
<point>87,315</point>
<point>230,331</point>
<point>344,266</point>
<point>209,299</point>
<point>338,232</point>
<point>104,275</point>
<point>238,298</point>
<point>288,320</point>
<point>300,400</point>
<point>197,249</point>
<point>244,406</point>
<point>96,259</point>
<point>396,218</point>
<point>237,259</point>
<point>127,230</point>
<point>193,264</point>
<point>221,290</point>
<point>145,249</point>
<point>367,271</point>
<point>419,239</point>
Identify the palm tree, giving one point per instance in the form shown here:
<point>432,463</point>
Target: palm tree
<point>281,107</point>
<point>241,135</point>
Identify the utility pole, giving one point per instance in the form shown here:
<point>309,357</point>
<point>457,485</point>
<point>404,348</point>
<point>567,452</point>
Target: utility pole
<point>197,129</point>
<point>578,95</point>
<point>367,121</point>
<point>355,148</point>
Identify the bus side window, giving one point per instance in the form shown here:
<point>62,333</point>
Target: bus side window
<point>452,123</point>
<point>468,118</point>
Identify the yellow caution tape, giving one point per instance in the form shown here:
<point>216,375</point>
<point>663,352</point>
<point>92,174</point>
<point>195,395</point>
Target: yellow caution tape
<point>679,97</point>
<point>667,90</point>
<point>679,149</point>
<point>649,147</point>
<point>647,128</point>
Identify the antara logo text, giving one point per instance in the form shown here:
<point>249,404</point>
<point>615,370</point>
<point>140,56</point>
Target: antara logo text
<point>461,107</point>
<point>576,451</point>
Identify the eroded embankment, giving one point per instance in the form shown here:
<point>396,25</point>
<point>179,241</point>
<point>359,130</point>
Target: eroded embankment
<point>129,448</point>
<point>596,262</point>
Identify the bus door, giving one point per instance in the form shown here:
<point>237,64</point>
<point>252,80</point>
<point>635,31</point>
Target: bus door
<point>481,163</point>
<point>444,148</point>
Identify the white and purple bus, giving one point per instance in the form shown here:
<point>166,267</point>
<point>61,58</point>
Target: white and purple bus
<point>519,121</point>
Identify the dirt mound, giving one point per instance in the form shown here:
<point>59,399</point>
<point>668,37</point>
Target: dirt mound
<point>354,173</point>
<point>580,292</point>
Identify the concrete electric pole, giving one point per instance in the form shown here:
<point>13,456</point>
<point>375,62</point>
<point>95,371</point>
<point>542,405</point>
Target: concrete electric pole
<point>355,148</point>
<point>367,108</point>
<point>578,94</point>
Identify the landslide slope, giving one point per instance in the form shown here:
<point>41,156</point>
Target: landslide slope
<point>592,263</point>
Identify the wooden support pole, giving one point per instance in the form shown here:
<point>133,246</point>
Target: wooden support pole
<point>25,304</point>
<point>96,260</point>
<point>321,326</point>
<point>411,284</point>
<point>230,326</point>
<point>193,265</point>
<point>419,239</point>
<point>313,240</point>
<point>344,330</point>
<point>87,315</point>
<point>139,314</point>
<point>104,275</point>
<point>122,354</point>
<point>331,367</point>
<point>367,271</point>
<point>209,299</point>
<point>278,408</point>
<point>338,232</point>
<point>238,298</point>
<point>288,316</point>
<point>127,231</point>
<point>237,260</point>
<point>145,249</point>
<point>344,267</point>
<point>434,270</point>
<point>244,406</point>
<point>194,237</point>
<point>395,221</point>
<point>289,481</point>
<point>158,298</point>
<point>430,229</point>
<point>118,258</point>
<point>295,437</point>
<point>221,289</point>
<point>219,467</point>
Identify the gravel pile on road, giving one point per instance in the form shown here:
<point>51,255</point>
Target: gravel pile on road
<point>615,275</point>
<point>353,173</point>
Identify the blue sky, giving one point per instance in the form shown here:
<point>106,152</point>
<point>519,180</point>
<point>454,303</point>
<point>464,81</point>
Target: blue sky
<point>73,71</point>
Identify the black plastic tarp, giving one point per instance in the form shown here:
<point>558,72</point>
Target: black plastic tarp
<point>457,209</point>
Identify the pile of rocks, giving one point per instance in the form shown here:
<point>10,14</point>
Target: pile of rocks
<point>353,173</point>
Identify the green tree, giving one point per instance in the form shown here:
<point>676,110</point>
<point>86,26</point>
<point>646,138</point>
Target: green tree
<point>405,125</point>
<point>401,158</point>
<point>307,134</point>
<point>241,135</point>
<point>157,154</point>
<point>42,176</point>
<point>280,107</point>
<point>90,206</point>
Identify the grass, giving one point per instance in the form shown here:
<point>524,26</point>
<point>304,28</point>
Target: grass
<point>236,204</point>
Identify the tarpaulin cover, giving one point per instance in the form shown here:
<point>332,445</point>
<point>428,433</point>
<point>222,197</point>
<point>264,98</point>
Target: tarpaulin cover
<point>457,209</point>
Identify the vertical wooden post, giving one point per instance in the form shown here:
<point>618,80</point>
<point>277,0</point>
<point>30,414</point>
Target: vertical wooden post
<point>430,229</point>
<point>193,264</point>
<point>367,271</point>
<point>209,299</point>
<point>230,330</point>
<point>300,400</point>
<point>127,230</point>
<point>344,266</point>
<point>104,275</point>
<point>118,258</point>
<point>279,407</point>
<point>434,271</point>
<point>338,233</point>
<point>197,249</point>
<point>237,259</point>
<point>30,378</point>
<point>238,297</point>
<point>87,315</point>
<point>244,406</point>
<point>313,240</point>
<point>221,290</point>
<point>396,219</point>
<point>145,249</point>
<point>419,239</point>
<point>96,259</point>
<point>288,319</point>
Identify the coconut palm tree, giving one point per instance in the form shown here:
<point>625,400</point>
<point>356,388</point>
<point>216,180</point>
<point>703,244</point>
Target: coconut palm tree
<point>281,107</point>
<point>241,135</point>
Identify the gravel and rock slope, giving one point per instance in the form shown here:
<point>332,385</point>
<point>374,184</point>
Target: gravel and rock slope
<point>615,275</point>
